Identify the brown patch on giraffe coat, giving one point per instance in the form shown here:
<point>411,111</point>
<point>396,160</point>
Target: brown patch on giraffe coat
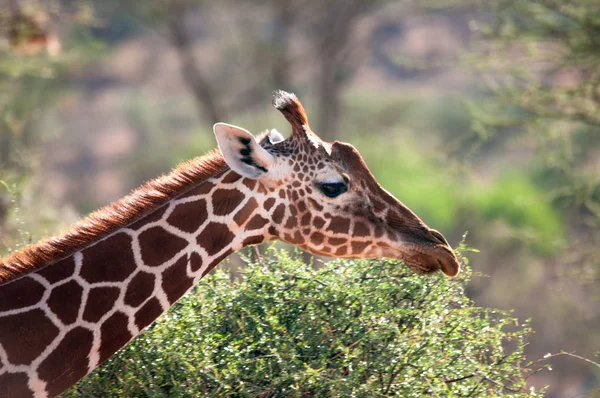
<point>291,222</point>
<point>269,203</point>
<point>361,229</point>
<point>261,188</point>
<point>253,240</point>
<point>215,237</point>
<point>110,260</point>
<point>113,335</point>
<point>65,301</point>
<point>339,224</point>
<point>246,211</point>
<point>301,206</point>
<point>231,177</point>
<point>158,246</point>
<point>152,217</point>
<point>139,289</point>
<point>318,222</point>
<point>201,189</point>
<point>378,205</point>
<point>358,247</point>
<point>272,230</point>
<point>226,200</point>
<point>314,204</point>
<point>100,300</point>
<point>60,374</point>
<point>256,222</point>
<point>295,239</point>
<point>249,183</point>
<point>195,262</point>
<point>14,385</point>
<point>189,216</point>
<point>278,213</point>
<point>337,241</point>
<point>148,313</point>
<point>317,238</point>
<point>305,220</point>
<point>175,281</point>
<point>58,271</point>
<point>125,211</point>
<point>341,251</point>
<point>22,337</point>
<point>20,293</point>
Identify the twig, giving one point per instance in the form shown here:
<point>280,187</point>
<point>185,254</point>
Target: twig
<point>257,254</point>
<point>200,86</point>
<point>570,354</point>
<point>459,379</point>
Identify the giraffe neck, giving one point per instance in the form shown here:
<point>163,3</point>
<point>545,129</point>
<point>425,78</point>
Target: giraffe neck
<point>61,321</point>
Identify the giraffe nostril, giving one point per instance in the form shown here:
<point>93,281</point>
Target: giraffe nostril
<point>438,237</point>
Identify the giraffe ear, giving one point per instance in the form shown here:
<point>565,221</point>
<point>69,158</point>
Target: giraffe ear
<point>241,151</point>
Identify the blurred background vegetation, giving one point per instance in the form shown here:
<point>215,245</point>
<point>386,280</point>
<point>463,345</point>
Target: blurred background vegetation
<point>481,116</point>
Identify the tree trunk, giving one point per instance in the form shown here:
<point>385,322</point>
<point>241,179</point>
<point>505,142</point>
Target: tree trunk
<point>336,67</point>
<point>206,100</point>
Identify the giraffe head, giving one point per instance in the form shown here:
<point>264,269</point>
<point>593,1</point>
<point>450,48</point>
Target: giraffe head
<point>321,196</point>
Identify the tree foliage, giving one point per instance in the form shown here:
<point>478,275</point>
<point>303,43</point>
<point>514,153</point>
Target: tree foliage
<point>346,328</point>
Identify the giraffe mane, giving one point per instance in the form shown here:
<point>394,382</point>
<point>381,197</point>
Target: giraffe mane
<point>112,217</point>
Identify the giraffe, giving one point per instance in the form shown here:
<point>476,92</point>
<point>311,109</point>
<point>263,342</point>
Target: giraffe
<point>69,302</point>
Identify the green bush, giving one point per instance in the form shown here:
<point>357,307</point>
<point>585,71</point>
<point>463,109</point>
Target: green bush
<point>344,329</point>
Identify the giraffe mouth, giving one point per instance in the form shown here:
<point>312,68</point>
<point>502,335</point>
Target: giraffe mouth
<point>426,259</point>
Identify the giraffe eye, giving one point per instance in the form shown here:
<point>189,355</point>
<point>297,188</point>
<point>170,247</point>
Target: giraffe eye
<point>333,189</point>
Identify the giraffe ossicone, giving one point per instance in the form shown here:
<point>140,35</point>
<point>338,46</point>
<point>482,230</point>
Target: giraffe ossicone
<point>69,302</point>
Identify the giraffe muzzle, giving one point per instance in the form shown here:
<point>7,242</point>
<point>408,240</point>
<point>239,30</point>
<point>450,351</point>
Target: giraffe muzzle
<point>444,254</point>
<point>430,252</point>
<point>427,259</point>
<point>447,260</point>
